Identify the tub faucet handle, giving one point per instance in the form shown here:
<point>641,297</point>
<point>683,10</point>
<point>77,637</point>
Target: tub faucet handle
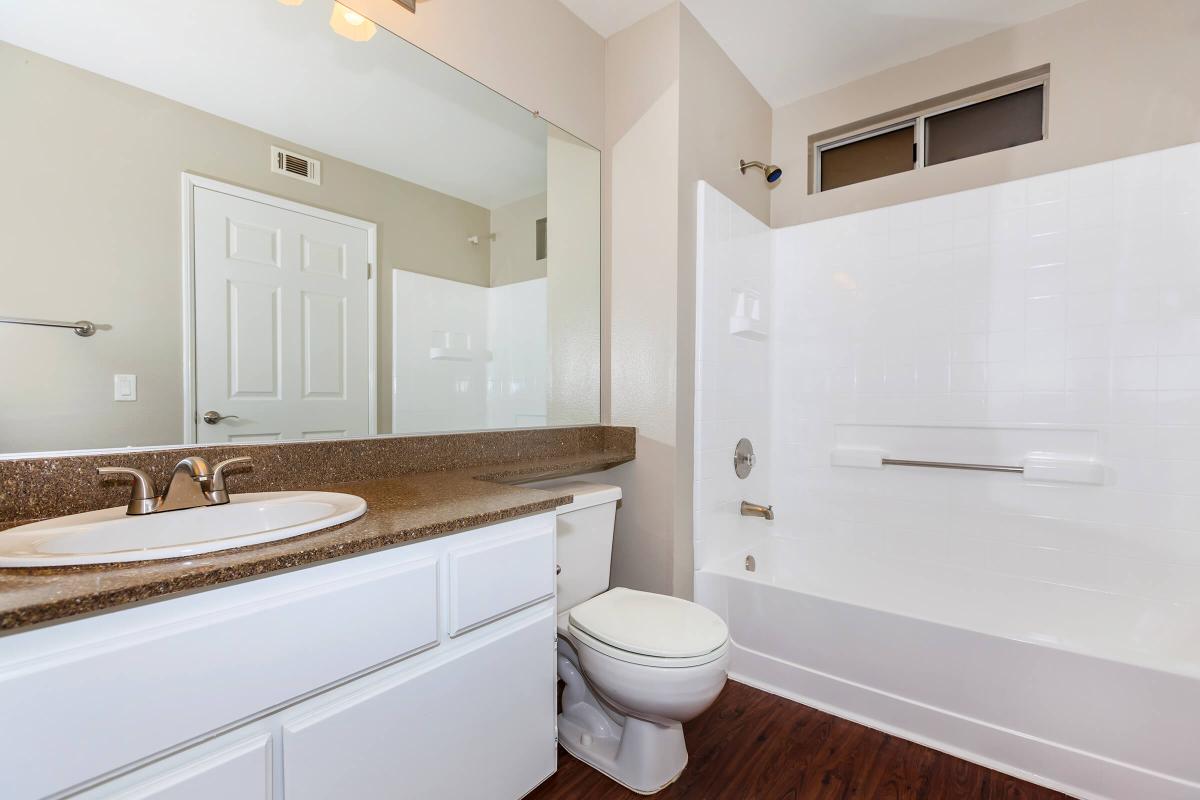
<point>744,459</point>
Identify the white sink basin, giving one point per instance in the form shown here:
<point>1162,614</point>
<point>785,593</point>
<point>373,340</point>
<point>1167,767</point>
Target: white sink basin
<point>109,536</point>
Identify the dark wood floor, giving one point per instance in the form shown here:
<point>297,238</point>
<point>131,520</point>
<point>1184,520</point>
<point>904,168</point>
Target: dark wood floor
<point>752,745</point>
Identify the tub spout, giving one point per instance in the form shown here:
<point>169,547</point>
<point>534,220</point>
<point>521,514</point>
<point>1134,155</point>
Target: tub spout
<point>755,510</point>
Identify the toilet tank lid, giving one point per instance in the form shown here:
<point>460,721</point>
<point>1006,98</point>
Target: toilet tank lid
<point>586,494</point>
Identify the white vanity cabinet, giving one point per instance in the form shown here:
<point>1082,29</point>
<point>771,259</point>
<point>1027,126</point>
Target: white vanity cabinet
<point>426,670</point>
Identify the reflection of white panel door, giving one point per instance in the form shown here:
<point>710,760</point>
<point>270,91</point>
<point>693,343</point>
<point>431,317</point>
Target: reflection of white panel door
<point>281,323</point>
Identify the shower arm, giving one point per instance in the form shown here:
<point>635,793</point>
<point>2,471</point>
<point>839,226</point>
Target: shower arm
<point>771,172</point>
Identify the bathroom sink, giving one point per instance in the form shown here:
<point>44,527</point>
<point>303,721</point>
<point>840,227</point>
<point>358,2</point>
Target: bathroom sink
<point>109,536</point>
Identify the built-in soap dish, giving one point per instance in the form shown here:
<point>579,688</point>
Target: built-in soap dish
<point>746,320</point>
<point>452,346</point>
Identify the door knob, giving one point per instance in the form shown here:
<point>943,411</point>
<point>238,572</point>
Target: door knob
<point>213,417</point>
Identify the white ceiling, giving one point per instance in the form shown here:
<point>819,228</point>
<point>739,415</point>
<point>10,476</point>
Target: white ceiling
<point>606,17</point>
<point>790,49</point>
<point>383,104</point>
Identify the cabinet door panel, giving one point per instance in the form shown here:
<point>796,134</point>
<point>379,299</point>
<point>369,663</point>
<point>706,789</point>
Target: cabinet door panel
<point>481,724</point>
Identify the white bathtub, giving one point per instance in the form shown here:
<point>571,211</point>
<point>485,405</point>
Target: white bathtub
<point>1092,693</point>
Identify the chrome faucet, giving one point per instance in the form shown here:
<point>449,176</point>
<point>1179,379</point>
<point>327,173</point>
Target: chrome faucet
<point>755,510</point>
<point>193,485</point>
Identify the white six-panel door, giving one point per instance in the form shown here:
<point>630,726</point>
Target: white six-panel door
<point>282,333</point>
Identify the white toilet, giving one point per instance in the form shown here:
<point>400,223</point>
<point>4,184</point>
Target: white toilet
<point>636,665</point>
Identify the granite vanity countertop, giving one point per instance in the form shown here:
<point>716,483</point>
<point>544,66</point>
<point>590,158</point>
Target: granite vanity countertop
<point>400,509</point>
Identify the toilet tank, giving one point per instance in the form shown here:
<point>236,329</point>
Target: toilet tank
<point>585,538</point>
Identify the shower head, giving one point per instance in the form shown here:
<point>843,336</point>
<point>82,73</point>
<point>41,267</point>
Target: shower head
<point>772,172</point>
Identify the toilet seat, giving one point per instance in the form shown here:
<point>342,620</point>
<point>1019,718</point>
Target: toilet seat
<point>585,640</point>
<point>649,629</point>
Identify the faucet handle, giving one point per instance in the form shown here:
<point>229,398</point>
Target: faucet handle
<point>144,499</point>
<point>216,485</point>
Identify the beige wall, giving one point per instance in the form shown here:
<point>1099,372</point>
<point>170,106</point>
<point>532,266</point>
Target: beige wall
<point>1122,81</point>
<point>514,242</point>
<point>679,112</point>
<point>723,118</point>
<point>535,52</point>
<point>92,230</point>
<point>642,173</point>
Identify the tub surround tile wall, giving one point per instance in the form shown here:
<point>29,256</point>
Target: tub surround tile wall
<point>400,509</point>
<point>1069,302</point>
<point>41,488</point>
<point>733,373</point>
<point>1057,314</point>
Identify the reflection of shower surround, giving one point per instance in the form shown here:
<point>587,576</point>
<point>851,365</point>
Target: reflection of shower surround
<point>454,346</point>
<point>467,357</point>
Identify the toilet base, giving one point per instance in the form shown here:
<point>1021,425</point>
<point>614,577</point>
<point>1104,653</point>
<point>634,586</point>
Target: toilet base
<point>643,756</point>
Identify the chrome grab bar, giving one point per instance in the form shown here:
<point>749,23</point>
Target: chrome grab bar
<point>902,462</point>
<point>82,328</point>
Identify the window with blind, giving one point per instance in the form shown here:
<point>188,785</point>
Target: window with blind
<point>996,120</point>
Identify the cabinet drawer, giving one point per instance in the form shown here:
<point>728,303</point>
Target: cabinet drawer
<point>494,578</point>
<point>168,673</point>
<point>233,767</point>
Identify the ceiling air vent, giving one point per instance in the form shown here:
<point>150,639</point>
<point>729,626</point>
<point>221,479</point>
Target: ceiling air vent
<point>285,162</point>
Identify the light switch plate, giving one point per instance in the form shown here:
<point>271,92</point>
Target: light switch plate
<point>125,388</point>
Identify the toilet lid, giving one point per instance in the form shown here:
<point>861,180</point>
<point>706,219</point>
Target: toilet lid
<point>650,624</point>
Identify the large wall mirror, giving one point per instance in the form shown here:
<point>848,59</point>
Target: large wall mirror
<point>284,223</point>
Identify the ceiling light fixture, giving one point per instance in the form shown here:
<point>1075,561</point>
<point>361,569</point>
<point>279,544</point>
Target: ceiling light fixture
<point>351,24</point>
<point>291,2</point>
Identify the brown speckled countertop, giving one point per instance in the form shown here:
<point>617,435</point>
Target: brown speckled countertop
<point>400,509</point>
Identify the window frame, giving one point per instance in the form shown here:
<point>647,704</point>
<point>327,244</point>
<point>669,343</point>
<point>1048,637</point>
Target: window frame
<point>917,120</point>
